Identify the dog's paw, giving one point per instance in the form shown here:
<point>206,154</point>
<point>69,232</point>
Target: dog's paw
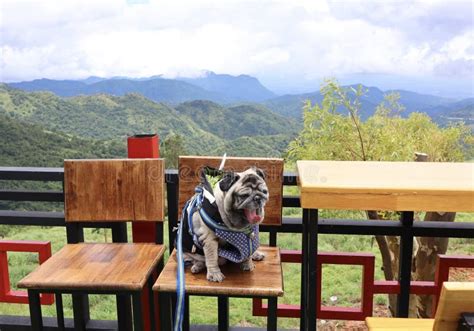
<point>258,256</point>
<point>197,267</point>
<point>247,265</point>
<point>215,276</point>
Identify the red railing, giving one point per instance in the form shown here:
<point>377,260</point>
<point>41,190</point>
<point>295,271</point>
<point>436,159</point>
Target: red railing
<point>370,287</point>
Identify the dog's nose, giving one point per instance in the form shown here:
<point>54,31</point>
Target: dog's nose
<point>257,198</point>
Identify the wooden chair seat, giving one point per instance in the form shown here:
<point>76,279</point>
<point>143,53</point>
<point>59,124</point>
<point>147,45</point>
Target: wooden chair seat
<point>265,280</point>
<point>86,266</point>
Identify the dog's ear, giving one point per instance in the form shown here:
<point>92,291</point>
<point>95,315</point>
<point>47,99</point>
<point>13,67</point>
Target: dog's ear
<point>261,173</point>
<point>229,179</point>
<point>204,182</point>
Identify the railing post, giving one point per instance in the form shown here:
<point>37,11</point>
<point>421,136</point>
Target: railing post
<point>143,146</point>
<point>405,262</point>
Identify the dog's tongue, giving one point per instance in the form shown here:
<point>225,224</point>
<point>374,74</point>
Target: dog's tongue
<point>252,216</point>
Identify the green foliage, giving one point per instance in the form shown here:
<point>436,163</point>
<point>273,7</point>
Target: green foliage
<point>172,147</point>
<point>384,136</point>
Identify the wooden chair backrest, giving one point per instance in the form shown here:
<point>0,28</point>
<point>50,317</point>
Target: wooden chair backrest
<point>119,190</point>
<point>190,167</point>
<point>456,298</point>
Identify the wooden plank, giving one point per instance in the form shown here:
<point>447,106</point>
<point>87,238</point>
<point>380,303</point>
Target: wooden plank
<point>456,298</point>
<point>190,166</point>
<point>265,280</point>
<point>413,186</point>
<point>114,190</point>
<point>401,324</point>
<point>96,267</point>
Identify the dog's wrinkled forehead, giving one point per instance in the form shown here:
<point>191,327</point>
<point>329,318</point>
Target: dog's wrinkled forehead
<point>250,177</point>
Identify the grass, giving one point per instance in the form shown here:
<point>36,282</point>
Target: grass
<point>342,283</point>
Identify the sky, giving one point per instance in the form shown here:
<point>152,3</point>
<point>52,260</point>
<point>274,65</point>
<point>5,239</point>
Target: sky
<point>289,45</point>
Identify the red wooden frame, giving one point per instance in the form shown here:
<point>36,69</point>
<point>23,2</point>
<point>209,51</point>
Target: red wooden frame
<point>369,285</point>
<point>43,248</point>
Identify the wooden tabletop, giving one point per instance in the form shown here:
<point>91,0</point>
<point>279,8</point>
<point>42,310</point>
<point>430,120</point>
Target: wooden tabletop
<point>96,267</point>
<point>265,280</point>
<point>402,186</point>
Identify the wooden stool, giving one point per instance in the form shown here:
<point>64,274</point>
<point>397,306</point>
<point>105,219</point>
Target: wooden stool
<point>104,191</point>
<point>265,281</point>
<point>456,298</point>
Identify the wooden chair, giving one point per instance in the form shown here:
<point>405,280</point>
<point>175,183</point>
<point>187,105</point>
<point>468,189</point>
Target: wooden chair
<point>104,191</point>
<point>264,281</point>
<point>456,298</point>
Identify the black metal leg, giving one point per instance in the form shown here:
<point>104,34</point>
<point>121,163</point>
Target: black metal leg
<point>124,312</point>
<point>404,271</point>
<point>137,311</point>
<point>80,305</point>
<point>272,314</point>
<point>186,313</point>
<point>60,311</point>
<point>151,303</point>
<point>35,310</point>
<point>166,319</point>
<point>304,272</point>
<point>223,313</point>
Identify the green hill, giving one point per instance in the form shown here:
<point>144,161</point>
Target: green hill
<point>206,127</point>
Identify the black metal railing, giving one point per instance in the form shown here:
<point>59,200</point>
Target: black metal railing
<point>405,230</point>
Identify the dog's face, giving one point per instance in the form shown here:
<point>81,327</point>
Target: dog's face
<point>241,197</point>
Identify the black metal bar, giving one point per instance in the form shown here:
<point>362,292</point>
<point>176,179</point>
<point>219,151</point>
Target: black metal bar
<point>35,310</point>
<point>406,255</point>
<point>28,173</point>
<point>119,232</point>
<point>59,311</point>
<point>166,319</point>
<point>172,181</point>
<point>138,324</point>
<point>222,313</point>
<point>272,321</point>
<point>80,307</point>
<point>291,201</point>
<point>124,312</point>
<point>159,237</point>
<point>37,218</point>
<point>28,195</point>
<point>304,272</point>
<point>290,179</point>
<point>74,233</point>
<point>312,269</point>
<point>273,235</point>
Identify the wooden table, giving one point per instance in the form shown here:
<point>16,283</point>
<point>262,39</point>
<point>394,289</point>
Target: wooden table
<point>357,185</point>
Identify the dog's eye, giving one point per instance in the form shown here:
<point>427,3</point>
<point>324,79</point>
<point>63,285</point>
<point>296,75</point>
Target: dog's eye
<point>264,191</point>
<point>244,196</point>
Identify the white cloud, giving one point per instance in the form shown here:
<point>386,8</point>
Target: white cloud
<point>271,39</point>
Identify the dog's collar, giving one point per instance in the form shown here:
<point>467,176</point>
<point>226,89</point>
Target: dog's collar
<point>209,213</point>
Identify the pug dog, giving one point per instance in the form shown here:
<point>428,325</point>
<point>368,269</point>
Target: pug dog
<point>240,198</point>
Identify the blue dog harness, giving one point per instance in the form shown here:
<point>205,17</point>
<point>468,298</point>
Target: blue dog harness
<point>240,243</point>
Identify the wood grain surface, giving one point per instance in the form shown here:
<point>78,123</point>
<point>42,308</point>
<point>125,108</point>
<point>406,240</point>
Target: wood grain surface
<point>400,324</point>
<point>402,186</point>
<point>190,166</point>
<point>114,190</point>
<point>96,267</point>
<point>265,280</point>
<point>456,298</point>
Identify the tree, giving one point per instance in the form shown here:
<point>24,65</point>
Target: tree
<point>335,131</point>
<point>172,147</point>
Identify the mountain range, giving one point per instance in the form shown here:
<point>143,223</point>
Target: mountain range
<point>238,90</point>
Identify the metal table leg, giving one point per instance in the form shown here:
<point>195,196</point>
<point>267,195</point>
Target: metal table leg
<point>312,266</point>
<point>223,313</point>
<point>272,314</point>
<point>35,310</point>
<point>304,273</point>
<point>138,324</point>
<point>166,318</point>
